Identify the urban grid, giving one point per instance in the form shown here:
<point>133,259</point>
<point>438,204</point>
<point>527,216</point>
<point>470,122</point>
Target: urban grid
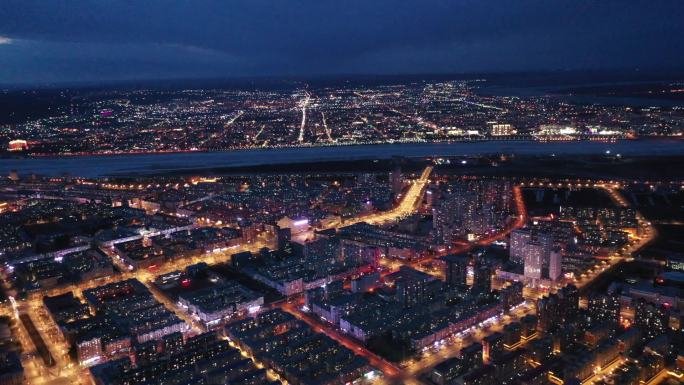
<point>417,275</point>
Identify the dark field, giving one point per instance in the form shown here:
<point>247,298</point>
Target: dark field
<point>545,201</point>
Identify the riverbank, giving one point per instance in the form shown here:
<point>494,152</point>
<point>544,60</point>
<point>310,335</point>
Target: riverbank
<point>122,165</point>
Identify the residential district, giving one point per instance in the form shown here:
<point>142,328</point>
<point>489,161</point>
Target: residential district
<point>412,275</point>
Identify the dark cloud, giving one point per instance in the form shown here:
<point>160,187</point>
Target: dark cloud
<point>89,40</point>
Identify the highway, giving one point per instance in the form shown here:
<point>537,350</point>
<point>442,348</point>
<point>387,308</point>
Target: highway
<point>304,103</point>
<point>328,131</point>
<point>408,204</point>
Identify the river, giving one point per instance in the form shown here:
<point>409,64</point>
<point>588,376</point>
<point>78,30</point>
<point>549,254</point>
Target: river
<point>122,165</point>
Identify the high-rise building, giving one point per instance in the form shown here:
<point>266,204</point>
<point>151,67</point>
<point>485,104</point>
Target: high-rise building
<point>519,239</point>
<point>365,282</point>
<point>412,286</point>
<point>555,264</point>
<point>471,210</point>
<point>482,280</point>
<point>283,238</point>
<point>17,145</point>
<point>484,375</point>
<point>500,129</point>
<point>534,259</point>
<point>512,295</point>
<point>604,309</point>
<point>11,370</point>
<point>533,249</point>
<point>558,308</point>
<point>512,333</point>
<point>429,198</point>
<point>333,289</point>
<point>493,347</point>
<point>172,343</point>
<point>652,319</point>
<point>455,215</point>
<point>328,248</point>
<point>446,372</point>
<point>528,241</point>
<point>456,269</point>
<point>359,252</point>
<point>395,180</point>
<point>547,313</point>
<point>569,298</point>
<point>528,326</point>
<point>471,356</point>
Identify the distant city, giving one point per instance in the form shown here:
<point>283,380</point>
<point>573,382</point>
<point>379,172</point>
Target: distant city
<point>155,120</point>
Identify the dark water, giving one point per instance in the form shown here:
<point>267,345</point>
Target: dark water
<point>97,166</point>
<point>568,93</point>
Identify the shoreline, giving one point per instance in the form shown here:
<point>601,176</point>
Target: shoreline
<point>516,139</point>
<point>135,164</point>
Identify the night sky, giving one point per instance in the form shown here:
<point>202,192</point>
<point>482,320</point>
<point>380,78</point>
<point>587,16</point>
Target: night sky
<point>99,40</point>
